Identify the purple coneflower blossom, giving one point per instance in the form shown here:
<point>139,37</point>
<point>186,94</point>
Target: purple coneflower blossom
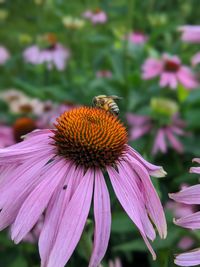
<point>141,125</point>
<point>4,55</point>
<point>104,74</point>
<point>190,33</point>
<point>196,59</point>
<point>137,38</point>
<point>57,172</point>
<point>171,72</point>
<point>6,136</point>
<point>53,55</point>
<point>97,16</point>
<point>189,196</point>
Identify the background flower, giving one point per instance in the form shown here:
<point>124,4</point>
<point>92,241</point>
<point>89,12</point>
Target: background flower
<point>4,55</point>
<point>171,72</point>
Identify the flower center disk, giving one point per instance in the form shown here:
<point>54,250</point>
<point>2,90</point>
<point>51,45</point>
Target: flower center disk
<point>90,137</point>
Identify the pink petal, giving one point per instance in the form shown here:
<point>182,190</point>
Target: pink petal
<point>168,79</point>
<point>125,197</point>
<point>189,195</point>
<point>152,200</point>
<point>160,142</point>
<point>132,179</point>
<point>176,144</point>
<point>138,131</point>
<point>73,222</point>
<point>196,160</point>
<point>156,171</point>
<point>37,201</point>
<point>191,221</point>
<point>102,215</point>
<point>191,258</point>
<point>195,170</point>
<point>187,78</point>
<point>151,68</point>
<point>55,211</point>
<point>196,59</point>
<point>16,189</point>
<point>134,119</point>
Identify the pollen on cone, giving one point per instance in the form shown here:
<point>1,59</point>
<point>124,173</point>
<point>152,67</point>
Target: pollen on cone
<point>90,137</point>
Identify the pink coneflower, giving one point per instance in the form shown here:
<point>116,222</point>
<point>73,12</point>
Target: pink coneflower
<point>167,134</point>
<point>97,16</point>
<point>189,196</point>
<point>190,33</point>
<point>137,38</point>
<point>6,136</point>
<point>4,55</point>
<point>54,172</point>
<point>171,72</point>
<point>53,55</point>
<point>104,74</point>
<point>196,59</point>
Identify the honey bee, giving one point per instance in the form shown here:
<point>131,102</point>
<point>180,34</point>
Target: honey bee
<point>107,103</point>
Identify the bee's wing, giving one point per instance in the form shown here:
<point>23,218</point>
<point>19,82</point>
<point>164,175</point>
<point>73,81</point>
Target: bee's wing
<point>115,97</point>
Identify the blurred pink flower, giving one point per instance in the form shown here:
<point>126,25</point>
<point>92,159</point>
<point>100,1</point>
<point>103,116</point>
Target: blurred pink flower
<point>115,263</point>
<point>141,125</point>
<point>189,196</point>
<point>6,136</point>
<point>186,242</point>
<point>104,74</point>
<point>55,173</point>
<point>171,72</point>
<point>137,38</point>
<point>190,33</point>
<point>54,56</point>
<point>48,118</point>
<point>196,59</point>
<point>4,55</point>
<point>97,16</point>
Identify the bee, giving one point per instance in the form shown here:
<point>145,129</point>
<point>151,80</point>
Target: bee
<point>107,103</point>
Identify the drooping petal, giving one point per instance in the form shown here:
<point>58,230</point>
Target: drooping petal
<point>73,222</point>
<point>55,211</point>
<point>195,170</point>
<point>152,200</point>
<point>187,78</point>
<point>160,142</point>
<point>102,214</point>
<point>190,221</point>
<point>15,190</point>
<point>191,258</point>
<point>154,170</point>
<point>175,143</point>
<point>189,195</point>
<point>132,179</point>
<point>38,200</point>
<point>125,197</point>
